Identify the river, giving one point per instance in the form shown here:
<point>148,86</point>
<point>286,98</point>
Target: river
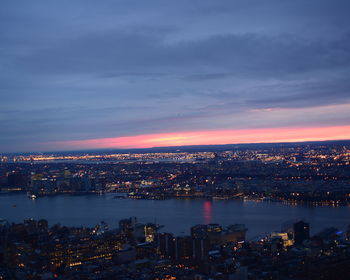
<point>177,216</point>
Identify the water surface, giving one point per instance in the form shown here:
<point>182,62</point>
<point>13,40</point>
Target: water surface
<point>177,216</point>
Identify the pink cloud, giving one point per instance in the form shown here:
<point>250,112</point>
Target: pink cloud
<point>210,137</point>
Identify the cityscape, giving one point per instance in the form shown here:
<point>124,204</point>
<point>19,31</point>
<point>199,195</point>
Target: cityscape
<point>137,251</point>
<point>175,140</point>
<point>316,173</point>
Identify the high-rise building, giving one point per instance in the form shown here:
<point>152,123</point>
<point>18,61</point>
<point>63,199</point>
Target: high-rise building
<point>201,248</point>
<point>301,232</point>
<point>183,247</point>
<point>166,244</point>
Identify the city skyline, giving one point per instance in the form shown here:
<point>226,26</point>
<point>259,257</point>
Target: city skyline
<point>175,140</point>
<point>125,74</point>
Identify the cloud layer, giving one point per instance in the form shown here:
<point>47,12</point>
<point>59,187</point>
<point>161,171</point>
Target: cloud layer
<point>72,71</point>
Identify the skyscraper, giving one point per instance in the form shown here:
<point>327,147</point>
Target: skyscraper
<point>301,232</point>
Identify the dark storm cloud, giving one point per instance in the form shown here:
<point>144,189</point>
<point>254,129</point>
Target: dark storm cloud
<point>88,69</point>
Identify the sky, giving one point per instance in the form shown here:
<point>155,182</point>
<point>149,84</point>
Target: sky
<point>122,74</point>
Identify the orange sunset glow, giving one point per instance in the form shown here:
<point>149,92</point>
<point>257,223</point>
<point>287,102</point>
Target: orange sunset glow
<point>212,137</point>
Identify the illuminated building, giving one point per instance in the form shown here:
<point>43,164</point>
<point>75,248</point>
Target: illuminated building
<point>150,232</point>
<point>67,174</point>
<point>287,241</point>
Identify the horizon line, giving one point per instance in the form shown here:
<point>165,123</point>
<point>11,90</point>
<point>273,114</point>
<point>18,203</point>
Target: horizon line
<point>180,146</point>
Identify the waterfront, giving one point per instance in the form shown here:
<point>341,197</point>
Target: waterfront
<point>177,216</point>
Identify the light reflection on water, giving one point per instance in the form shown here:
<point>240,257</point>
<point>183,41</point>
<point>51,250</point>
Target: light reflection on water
<point>207,212</point>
